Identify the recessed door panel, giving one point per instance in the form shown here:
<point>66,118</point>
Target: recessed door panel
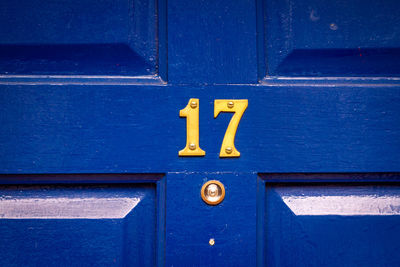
<point>331,38</point>
<point>100,225</point>
<point>332,225</point>
<point>78,37</point>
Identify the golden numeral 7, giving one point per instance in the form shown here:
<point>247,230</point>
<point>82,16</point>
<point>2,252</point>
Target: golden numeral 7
<point>191,113</point>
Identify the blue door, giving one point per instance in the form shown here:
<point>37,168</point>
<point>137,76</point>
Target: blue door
<point>199,133</point>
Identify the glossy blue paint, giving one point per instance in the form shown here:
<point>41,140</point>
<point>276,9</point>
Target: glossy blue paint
<point>90,94</point>
<point>223,34</point>
<point>78,37</point>
<point>191,223</point>
<point>108,129</point>
<point>71,225</point>
<point>329,38</point>
<point>331,225</point>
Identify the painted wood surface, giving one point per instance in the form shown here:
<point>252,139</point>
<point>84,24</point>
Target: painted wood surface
<point>90,95</point>
<point>103,129</point>
<point>78,225</point>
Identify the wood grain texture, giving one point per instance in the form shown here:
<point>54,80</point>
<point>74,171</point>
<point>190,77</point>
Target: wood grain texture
<point>60,232</point>
<point>103,129</point>
<point>191,223</point>
<point>212,42</point>
<point>321,80</point>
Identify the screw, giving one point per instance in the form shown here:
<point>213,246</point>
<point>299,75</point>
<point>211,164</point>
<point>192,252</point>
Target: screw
<point>192,146</point>
<point>193,104</point>
<point>212,190</point>
<point>228,150</point>
<point>333,26</point>
<point>230,104</point>
<point>211,242</point>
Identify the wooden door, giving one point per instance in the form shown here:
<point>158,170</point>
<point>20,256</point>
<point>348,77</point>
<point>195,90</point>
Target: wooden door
<point>90,100</point>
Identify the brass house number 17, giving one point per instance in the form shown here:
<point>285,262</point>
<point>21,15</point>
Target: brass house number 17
<point>191,113</point>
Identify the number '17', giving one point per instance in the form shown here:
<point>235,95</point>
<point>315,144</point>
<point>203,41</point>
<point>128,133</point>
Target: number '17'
<point>191,113</point>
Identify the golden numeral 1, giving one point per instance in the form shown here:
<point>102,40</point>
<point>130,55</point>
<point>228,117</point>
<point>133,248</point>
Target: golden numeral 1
<point>191,113</point>
<point>228,148</point>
